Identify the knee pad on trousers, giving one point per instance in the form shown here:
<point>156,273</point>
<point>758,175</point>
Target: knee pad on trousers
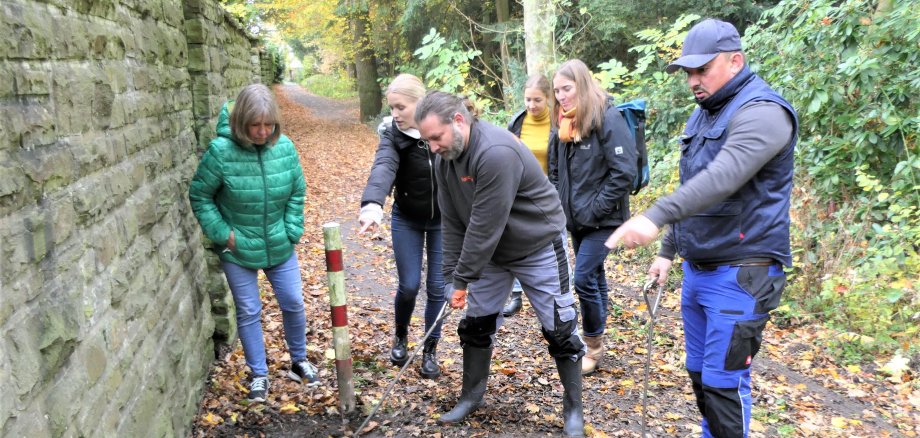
<point>477,331</point>
<point>723,411</point>
<point>563,340</point>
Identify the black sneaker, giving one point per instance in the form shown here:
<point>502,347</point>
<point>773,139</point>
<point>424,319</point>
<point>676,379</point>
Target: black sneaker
<point>304,372</point>
<point>258,389</point>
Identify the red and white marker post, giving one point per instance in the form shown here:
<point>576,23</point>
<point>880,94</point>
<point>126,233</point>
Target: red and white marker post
<point>335,274</point>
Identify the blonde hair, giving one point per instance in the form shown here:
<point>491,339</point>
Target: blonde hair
<point>255,103</point>
<point>592,99</point>
<point>407,85</point>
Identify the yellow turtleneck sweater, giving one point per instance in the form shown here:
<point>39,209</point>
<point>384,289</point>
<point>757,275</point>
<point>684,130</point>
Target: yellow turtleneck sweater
<point>535,134</point>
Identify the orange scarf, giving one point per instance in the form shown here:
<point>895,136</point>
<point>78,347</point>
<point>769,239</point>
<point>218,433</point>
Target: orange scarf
<point>567,131</point>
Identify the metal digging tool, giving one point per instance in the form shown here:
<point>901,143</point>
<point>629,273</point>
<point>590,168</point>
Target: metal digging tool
<point>652,307</point>
<point>445,311</point>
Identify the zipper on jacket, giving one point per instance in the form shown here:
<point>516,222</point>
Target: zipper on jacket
<point>431,175</point>
<point>268,253</point>
<point>568,166</point>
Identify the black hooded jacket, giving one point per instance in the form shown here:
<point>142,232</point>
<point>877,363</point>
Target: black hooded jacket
<point>405,165</point>
<point>594,176</point>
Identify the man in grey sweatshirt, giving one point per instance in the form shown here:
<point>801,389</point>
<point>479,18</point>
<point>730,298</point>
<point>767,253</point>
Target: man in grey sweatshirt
<point>500,218</point>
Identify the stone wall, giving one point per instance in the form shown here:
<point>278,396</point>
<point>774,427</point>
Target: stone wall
<point>108,300</point>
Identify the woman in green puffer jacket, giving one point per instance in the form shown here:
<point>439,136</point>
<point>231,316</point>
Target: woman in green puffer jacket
<point>248,197</point>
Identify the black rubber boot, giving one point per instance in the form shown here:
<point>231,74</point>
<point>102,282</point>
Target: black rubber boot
<point>399,354</point>
<point>430,368</point>
<point>572,414</point>
<point>475,376</point>
<point>514,304</point>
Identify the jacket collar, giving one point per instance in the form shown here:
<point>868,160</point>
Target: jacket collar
<point>717,100</point>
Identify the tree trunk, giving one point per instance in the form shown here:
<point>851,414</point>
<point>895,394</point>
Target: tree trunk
<point>366,68</point>
<point>539,29</point>
<point>502,11</point>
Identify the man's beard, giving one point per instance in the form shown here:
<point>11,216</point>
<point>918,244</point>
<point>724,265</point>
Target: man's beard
<point>456,148</point>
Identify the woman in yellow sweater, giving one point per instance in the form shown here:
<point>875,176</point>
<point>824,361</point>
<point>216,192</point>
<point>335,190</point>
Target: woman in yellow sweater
<point>532,126</point>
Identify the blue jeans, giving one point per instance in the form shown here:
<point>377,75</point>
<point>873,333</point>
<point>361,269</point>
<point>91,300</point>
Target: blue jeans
<point>590,279</point>
<point>725,311</point>
<point>286,283</point>
<point>410,237</point>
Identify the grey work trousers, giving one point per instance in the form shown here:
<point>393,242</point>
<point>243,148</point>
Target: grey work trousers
<point>546,280</point>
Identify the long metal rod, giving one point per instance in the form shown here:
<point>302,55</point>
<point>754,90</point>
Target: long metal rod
<point>445,311</point>
<point>652,307</point>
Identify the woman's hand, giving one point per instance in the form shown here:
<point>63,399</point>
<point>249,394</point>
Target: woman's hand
<point>370,217</point>
<point>231,242</point>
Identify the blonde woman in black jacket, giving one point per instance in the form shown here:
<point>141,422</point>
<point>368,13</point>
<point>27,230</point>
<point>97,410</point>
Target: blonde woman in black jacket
<point>405,166</point>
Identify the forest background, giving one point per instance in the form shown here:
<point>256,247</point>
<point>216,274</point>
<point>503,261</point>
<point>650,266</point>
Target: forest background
<point>851,68</point>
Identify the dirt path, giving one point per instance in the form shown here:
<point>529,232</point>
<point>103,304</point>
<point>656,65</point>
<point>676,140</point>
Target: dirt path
<point>323,107</point>
<point>795,390</point>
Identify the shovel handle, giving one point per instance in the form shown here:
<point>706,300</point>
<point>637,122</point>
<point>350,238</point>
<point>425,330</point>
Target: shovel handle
<point>649,303</point>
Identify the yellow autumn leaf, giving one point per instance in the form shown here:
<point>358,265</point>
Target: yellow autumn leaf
<point>532,408</point>
<point>627,383</point>
<point>673,416</point>
<point>901,284</point>
<point>330,354</point>
<point>756,426</point>
<point>289,408</point>
<point>212,419</point>
<point>839,422</point>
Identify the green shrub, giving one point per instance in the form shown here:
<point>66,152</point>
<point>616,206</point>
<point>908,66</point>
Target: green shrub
<point>335,86</point>
<point>853,74</point>
<point>448,69</point>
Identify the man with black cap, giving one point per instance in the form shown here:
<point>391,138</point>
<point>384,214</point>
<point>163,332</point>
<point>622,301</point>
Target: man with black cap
<point>729,221</point>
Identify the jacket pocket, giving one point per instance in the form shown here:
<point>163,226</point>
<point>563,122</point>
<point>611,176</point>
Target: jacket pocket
<point>729,207</point>
<point>710,233</point>
<point>745,343</point>
<point>714,133</point>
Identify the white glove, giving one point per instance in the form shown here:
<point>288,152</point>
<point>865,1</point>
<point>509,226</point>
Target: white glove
<point>370,216</point>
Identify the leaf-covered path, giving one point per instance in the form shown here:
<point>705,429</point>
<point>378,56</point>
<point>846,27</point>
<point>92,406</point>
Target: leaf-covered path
<point>798,389</point>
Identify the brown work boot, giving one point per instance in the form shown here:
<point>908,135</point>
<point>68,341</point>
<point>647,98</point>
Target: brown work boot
<point>595,355</point>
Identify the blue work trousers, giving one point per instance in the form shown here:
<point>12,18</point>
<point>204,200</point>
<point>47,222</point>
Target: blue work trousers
<point>725,310</point>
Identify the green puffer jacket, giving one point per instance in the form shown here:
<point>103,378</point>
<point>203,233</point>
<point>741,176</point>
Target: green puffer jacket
<point>256,191</point>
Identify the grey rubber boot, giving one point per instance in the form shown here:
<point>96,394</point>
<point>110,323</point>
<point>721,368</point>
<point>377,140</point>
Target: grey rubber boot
<point>475,376</point>
<point>572,413</point>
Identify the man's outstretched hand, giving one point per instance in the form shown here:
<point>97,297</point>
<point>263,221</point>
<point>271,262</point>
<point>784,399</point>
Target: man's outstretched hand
<point>638,231</point>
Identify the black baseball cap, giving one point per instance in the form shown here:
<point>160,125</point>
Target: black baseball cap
<point>705,40</point>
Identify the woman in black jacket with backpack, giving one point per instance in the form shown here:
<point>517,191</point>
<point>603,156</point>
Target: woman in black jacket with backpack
<point>592,163</point>
<point>404,165</point>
